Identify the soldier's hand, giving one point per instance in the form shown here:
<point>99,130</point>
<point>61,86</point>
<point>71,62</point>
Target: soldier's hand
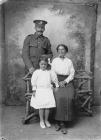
<point>31,70</point>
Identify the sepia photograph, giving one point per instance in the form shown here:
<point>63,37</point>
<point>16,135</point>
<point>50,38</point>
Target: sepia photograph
<point>50,69</point>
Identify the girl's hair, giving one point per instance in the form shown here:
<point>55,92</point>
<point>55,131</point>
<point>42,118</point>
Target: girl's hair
<point>43,58</point>
<point>63,45</point>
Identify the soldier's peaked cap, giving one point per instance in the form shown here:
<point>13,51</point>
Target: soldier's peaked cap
<point>40,22</point>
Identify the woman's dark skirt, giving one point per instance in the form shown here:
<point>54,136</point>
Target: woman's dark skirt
<point>64,101</point>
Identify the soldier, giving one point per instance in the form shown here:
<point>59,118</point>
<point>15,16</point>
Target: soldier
<point>36,45</point>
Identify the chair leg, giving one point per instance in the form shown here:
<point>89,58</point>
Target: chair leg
<point>27,107</point>
<point>86,106</point>
<point>25,120</point>
<point>28,115</point>
<point>85,102</point>
<point>89,107</point>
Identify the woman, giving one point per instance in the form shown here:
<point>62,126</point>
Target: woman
<point>64,69</point>
<point>43,98</point>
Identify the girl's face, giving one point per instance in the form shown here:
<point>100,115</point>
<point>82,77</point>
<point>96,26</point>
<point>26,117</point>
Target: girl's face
<point>43,65</point>
<point>61,51</point>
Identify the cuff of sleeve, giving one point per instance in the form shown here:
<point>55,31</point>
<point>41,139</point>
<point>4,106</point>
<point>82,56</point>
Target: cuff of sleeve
<point>57,85</point>
<point>67,81</point>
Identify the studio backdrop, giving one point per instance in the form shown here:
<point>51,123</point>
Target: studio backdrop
<point>68,23</point>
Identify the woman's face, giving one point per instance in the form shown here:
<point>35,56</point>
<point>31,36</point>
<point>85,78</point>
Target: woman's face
<point>61,51</point>
<point>43,65</point>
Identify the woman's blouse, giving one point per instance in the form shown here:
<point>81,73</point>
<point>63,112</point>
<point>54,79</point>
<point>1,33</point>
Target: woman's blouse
<point>63,67</point>
<point>43,79</point>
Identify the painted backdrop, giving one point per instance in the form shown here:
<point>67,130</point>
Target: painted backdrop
<point>97,78</point>
<point>70,24</point>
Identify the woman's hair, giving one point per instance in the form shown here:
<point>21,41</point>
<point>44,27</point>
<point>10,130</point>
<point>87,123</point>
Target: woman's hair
<point>43,58</point>
<point>63,45</point>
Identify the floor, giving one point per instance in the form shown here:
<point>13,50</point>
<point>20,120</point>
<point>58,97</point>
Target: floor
<point>86,128</point>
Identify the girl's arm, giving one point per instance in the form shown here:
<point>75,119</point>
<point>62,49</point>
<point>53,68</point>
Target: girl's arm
<point>54,78</point>
<point>34,80</point>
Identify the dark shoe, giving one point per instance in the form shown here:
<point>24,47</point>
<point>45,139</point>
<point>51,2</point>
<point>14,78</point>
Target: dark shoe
<point>64,131</point>
<point>57,127</point>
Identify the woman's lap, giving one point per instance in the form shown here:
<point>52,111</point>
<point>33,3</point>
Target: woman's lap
<point>64,103</point>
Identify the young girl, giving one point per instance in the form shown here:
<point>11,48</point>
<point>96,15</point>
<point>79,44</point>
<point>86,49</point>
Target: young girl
<point>43,97</point>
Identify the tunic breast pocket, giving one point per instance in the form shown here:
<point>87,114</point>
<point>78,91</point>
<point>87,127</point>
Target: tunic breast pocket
<point>33,51</point>
<point>33,43</point>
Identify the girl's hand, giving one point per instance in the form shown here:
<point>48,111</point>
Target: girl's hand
<point>34,93</point>
<point>62,83</point>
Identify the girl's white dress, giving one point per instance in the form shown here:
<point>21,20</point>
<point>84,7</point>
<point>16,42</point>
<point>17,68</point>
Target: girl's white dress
<point>41,82</point>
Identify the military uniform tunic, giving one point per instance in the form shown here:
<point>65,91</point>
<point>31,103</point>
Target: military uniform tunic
<point>34,46</point>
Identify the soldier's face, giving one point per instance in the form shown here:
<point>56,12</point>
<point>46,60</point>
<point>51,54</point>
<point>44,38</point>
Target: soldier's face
<point>43,65</point>
<point>39,30</point>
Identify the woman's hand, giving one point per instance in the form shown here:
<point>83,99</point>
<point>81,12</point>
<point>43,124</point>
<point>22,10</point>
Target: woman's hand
<point>62,83</point>
<point>56,89</point>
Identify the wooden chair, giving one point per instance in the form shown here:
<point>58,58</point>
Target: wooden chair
<point>82,99</point>
<point>83,94</point>
<point>28,94</point>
